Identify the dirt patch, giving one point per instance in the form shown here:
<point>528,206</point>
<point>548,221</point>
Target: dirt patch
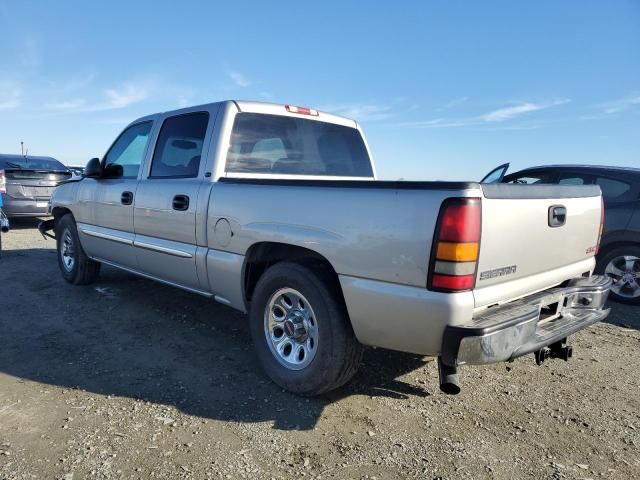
<point>131,379</point>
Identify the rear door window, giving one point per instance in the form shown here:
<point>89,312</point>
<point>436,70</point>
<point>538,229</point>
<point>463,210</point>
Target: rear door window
<point>179,147</point>
<point>262,143</point>
<point>613,189</point>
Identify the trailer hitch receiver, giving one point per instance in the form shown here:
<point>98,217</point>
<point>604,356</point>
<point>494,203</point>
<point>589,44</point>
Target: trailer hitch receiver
<point>46,226</point>
<point>558,349</point>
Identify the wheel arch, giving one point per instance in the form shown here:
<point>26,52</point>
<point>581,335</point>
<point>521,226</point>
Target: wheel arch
<point>610,246</point>
<point>260,256</point>
<point>619,237</point>
<point>59,212</point>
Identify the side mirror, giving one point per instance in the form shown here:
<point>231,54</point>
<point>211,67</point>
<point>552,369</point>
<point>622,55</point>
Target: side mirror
<point>93,169</point>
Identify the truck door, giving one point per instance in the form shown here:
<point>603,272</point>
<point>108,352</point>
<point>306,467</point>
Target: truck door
<point>105,206</point>
<point>165,210</point>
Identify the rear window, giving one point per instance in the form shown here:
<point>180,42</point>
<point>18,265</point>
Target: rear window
<point>262,143</point>
<point>31,163</point>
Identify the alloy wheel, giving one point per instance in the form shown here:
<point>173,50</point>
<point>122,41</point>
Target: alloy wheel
<point>67,251</point>
<point>291,329</point>
<point>625,272</point>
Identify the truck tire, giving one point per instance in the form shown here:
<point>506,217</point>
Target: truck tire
<point>301,331</point>
<point>622,264</point>
<point>76,267</point>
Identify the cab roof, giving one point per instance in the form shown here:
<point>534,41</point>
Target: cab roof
<point>261,107</point>
<point>633,170</point>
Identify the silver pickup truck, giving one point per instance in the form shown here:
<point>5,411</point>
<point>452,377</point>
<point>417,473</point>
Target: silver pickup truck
<point>275,210</point>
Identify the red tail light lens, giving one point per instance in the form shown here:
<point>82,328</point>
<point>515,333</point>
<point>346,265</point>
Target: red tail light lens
<point>453,283</point>
<point>460,222</point>
<point>456,246</point>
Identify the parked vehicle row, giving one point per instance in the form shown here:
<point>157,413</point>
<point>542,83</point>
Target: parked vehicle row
<point>26,183</point>
<point>276,211</point>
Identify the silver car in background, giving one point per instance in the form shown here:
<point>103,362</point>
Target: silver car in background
<point>27,182</point>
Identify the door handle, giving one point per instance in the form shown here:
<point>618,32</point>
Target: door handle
<point>180,202</point>
<point>126,198</point>
<point>557,215</point>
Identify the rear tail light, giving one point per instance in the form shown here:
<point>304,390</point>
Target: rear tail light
<point>601,232</point>
<point>301,110</point>
<point>456,246</point>
<point>3,182</point>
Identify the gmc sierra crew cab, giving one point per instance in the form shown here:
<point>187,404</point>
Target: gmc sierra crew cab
<point>275,210</point>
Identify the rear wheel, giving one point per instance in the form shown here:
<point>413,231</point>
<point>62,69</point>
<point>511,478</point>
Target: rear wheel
<point>76,267</point>
<point>622,264</point>
<point>301,331</point>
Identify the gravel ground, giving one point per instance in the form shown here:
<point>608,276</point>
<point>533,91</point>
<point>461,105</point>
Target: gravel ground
<point>132,379</point>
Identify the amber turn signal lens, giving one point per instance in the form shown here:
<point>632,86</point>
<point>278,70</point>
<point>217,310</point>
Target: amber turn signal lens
<point>457,252</point>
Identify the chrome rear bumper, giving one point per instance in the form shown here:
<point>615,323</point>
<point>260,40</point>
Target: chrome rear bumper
<point>527,325</point>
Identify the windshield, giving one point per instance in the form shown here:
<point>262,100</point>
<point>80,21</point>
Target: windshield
<point>275,144</point>
<point>31,163</point>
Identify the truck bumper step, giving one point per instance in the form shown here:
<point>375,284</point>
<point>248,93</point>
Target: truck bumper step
<point>531,324</point>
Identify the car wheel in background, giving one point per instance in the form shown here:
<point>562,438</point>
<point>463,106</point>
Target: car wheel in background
<point>622,264</point>
<point>76,267</point>
<point>301,331</point>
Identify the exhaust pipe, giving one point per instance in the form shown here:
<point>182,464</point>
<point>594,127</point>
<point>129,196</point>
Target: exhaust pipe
<point>449,382</point>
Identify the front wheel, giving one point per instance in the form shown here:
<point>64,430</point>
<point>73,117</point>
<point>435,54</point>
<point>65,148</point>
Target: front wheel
<point>301,331</point>
<point>622,264</point>
<point>76,267</point>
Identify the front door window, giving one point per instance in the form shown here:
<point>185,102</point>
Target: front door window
<point>125,156</point>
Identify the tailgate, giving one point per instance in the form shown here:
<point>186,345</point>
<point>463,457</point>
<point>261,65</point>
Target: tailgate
<point>525,245</point>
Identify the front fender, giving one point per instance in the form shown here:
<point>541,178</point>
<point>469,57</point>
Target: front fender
<point>64,195</point>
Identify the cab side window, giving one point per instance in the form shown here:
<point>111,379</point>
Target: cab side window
<point>533,178</point>
<point>574,179</point>
<point>179,147</point>
<point>125,156</point>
